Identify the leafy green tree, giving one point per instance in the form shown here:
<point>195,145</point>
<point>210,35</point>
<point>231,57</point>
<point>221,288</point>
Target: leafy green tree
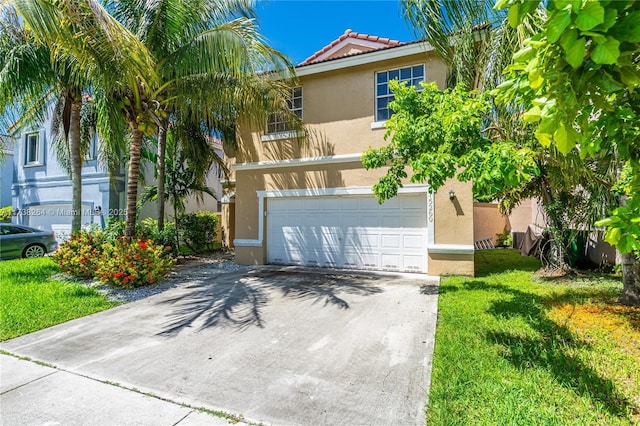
<point>442,134</point>
<point>578,79</point>
<point>185,173</point>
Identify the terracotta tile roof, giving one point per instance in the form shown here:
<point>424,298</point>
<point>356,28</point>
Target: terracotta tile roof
<point>384,42</point>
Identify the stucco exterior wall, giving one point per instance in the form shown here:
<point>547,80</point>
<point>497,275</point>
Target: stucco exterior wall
<point>338,109</point>
<point>42,192</point>
<point>488,221</point>
<point>228,224</point>
<point>526,213</point>
<point>451,264</point>
<point>338,112</point>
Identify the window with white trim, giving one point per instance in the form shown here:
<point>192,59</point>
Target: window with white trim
<point>277,122</point>
<point>413,75</point>
<point>32,149</point>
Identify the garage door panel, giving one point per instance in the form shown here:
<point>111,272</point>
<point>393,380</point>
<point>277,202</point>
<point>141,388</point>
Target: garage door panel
<point>412,263</point>
<point>312,204</point>
<point>330,203</point>
<point>362,239</point>
<point>413,221</point>
<point>391,262</point>
<point>351,203</point>
<point>391,204</point>
<point>391,241</point>
<point>367,203</point>
<point>348,232</point>
<point>392,221</point>
<point>412,242</point>
<point>357,260</point>
<point>413,203</point>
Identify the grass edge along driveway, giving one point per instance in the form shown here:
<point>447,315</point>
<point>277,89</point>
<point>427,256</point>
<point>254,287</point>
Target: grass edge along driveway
<point>30,300</point>
<point>513,348</point>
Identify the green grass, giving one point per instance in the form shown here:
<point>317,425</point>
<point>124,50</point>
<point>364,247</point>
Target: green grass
<point>30,300</point>
<point>515,349</point>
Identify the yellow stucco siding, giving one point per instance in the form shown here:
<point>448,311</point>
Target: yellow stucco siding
<point>338,109</point>
<point>338,112</point>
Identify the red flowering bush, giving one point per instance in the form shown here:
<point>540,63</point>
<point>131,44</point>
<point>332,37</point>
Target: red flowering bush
<point>80,255</point>
<point>133,262</point>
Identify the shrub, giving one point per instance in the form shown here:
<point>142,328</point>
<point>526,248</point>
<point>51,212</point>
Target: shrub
<point>198,230</point>
<point>5,214</point>
<point>80,255</point>
<point>114,229</point>
<point>133,262</point>
<point>149,229</point>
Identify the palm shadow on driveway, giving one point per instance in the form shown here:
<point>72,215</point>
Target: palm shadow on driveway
<point>237,299</point>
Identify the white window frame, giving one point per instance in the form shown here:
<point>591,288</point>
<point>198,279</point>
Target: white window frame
<point>413,80</point>
<point>277,126</point>
<point>92,151</point>
<point>32,155</point>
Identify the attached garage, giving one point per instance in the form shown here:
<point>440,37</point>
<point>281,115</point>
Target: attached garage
<point>348,231</point>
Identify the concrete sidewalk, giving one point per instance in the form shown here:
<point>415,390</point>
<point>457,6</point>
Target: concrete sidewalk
<point>281,346</point>
<point>33,394</point>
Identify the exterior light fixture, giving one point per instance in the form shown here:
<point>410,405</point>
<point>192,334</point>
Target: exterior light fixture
<point>452,194</point>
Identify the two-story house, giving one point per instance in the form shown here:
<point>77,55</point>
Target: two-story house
<point>303,198</point>
<point>40,188</point>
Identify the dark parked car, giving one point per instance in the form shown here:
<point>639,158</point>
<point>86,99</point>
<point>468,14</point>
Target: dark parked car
<point>24,241</point>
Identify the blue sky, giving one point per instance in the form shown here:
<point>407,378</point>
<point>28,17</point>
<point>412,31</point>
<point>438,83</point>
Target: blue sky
<point>299,28</point>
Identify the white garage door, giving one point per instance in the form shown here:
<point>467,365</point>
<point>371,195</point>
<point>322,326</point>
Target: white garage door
<point>349,232</point>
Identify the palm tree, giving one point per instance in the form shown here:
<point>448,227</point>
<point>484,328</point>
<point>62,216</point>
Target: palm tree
<point>209,60</point>
<point>32,80</point>
<point>88,47</point>
<point>187,165</point>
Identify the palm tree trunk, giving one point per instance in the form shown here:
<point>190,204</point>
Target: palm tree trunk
<point>76,166</point>
<point>162,147</point>
<point>132,183</point>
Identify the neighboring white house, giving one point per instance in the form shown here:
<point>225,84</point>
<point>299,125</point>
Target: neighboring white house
<point>40,189</point>
<point>6,170</point>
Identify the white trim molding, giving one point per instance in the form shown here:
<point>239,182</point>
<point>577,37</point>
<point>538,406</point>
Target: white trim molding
<point>292,134</point>
<point>295,162</point>
<point>243,242</point>
<point>451,248</point>
<point>375,125</point>
<point>351,190</point>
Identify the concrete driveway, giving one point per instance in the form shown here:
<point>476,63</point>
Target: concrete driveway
<point>274,345</point>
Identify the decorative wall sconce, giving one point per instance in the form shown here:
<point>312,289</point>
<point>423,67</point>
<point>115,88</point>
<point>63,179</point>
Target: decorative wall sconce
<point>452,194</point>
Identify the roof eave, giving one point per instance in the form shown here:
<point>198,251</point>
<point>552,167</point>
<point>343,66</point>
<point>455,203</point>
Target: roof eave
<point>391,52</point>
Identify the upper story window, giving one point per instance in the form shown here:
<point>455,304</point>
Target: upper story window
<point>33,151</point>
<point>277,122</point>
<point>413,75</point>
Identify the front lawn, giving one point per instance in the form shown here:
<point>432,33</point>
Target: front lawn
<point>516,349</point>
<point>30,300</point>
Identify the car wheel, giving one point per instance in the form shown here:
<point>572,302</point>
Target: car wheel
<point>34,250</point>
